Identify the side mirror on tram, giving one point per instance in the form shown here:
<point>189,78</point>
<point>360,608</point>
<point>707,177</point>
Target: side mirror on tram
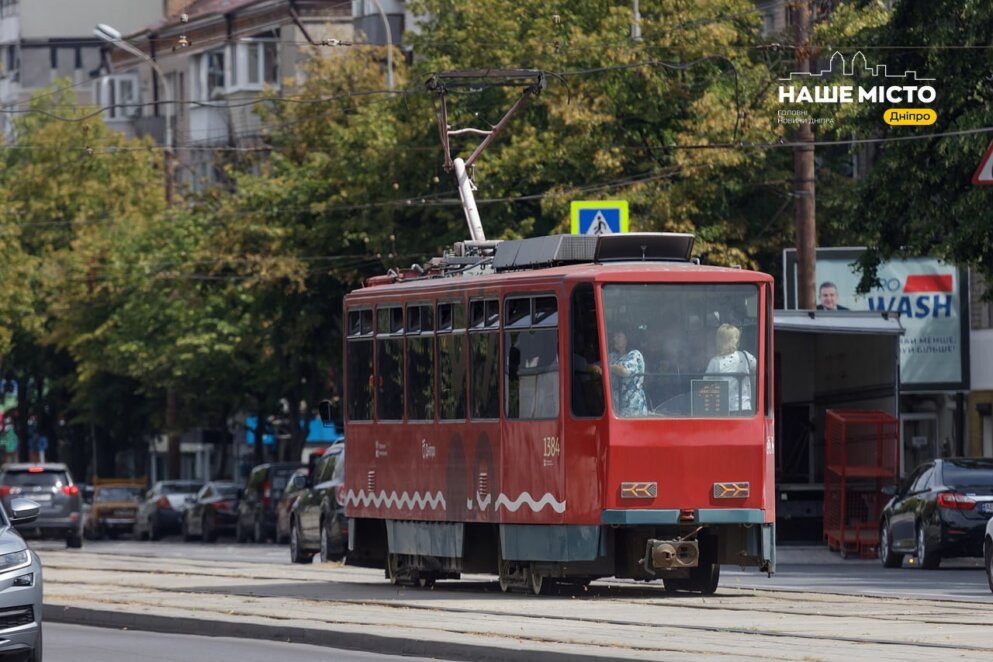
<point>328,411</point>
<point>888,490</point>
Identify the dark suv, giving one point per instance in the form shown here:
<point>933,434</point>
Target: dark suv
<point>51,486</point>
<point>257,509</point>
<point>317,520</point>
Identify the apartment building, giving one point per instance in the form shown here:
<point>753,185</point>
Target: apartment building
<point>45,40</point>
<point>216,57</point>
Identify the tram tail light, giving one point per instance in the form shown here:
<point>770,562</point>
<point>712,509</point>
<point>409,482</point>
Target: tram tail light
<point>955,501</point>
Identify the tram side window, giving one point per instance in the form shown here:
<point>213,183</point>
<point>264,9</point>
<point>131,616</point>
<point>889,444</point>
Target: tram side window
<point>451,361</point>
<point>420,362</point>
<point>531,383</point>
<point>484,358</point>
<point>587,372</point>
<point>359,378</point>
<point>389,363</point>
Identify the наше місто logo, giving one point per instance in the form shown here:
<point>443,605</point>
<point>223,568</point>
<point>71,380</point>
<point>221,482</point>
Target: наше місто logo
<point>903,90</point>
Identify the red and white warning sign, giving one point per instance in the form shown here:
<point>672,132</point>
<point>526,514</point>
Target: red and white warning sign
<point>984,173</point>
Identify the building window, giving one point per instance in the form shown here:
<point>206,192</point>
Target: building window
<point>118,96</point>
<point>254,62</point>
<point>9,8</point>
<point>214,68</point>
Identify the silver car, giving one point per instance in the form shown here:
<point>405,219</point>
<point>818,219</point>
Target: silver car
<point>20,584</point>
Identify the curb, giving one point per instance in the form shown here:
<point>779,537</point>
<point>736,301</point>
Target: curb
<point>356,641</point>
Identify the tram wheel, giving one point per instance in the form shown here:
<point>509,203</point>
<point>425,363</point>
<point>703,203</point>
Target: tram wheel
<point>392,568</point>
<point>536,582</point>
<point>503,573</point>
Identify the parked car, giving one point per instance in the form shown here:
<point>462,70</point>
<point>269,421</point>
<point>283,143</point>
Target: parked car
<point>988,552</point>
<point>257,509</point>
<point>161,511</point>
<point>294,487</point>
<point>21,582</point>
<point>317,520</point>
<point>50,486</point>
<point>940,511</point>
<point>113,509</point>
<point>213,512</point>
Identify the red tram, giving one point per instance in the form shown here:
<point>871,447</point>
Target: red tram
<point>565,409</point>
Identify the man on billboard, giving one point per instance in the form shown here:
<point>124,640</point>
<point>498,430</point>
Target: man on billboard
<point>828,297</point>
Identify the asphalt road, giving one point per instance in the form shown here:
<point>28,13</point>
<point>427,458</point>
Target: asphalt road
<point>957,579</point>
<point>76,643</point>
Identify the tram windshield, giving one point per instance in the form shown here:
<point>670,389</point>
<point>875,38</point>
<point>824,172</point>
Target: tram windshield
<point>682,350</point>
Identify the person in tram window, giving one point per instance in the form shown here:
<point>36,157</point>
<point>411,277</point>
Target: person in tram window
<point>738,364</point>
<point>627,372</point>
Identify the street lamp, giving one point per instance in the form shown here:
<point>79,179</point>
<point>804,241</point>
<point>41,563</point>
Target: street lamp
<point>113,36</point>
<point>389,45</point>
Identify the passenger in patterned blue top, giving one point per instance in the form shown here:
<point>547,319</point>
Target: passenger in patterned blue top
<point>627,378</point>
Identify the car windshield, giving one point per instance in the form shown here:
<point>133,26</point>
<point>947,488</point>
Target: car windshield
<point>35,478</point>
<point>180,488</point>
<point>227,491</point>
<point>281,476</point>
<point>968,473</point>
<point>117,494</point>
<point>680,350</point>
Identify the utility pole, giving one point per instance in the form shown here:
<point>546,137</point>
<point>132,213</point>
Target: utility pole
<point>803,174</point>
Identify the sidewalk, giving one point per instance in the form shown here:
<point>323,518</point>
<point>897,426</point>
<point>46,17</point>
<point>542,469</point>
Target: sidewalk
<point>814,555</point>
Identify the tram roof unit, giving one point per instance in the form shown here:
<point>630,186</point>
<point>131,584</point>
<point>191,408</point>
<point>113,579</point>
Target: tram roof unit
<point>616,258</point>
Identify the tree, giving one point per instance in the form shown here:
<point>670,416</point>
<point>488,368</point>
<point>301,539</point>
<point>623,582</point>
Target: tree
<point>918,198</point>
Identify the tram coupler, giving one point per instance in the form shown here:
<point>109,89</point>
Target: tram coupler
<point>671,554</point>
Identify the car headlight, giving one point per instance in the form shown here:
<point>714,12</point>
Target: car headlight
<point>14,560</point>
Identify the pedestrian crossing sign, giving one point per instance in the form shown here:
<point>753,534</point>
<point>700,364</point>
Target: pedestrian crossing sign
<point>599,217</point>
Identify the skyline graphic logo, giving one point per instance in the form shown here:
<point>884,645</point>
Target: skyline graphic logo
<point>876,84</point>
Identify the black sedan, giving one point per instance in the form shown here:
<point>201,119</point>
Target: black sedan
<point>940,511</point>
<point>317,519</point>
<point>213,512</point>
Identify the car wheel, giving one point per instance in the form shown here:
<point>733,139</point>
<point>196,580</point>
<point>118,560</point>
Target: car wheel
<point>989,563</point>
<point>887,556</point>
<point>328,530</point>
<point>184,530</point>
<point>154,533</point>
<point>239,531</point>
<point>209,527</point>
<point>297,553</point>
<point>74,540</point>
<point>928,559</point>
<point>257,532</point>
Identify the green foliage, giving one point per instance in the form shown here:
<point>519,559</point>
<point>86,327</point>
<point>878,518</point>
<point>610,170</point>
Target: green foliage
<point>918,198</point>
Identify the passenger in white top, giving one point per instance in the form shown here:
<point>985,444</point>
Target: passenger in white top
<point>733,361</point>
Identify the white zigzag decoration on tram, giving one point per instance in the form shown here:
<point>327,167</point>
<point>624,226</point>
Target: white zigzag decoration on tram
<point>523,498</point>
<point>380,499</point>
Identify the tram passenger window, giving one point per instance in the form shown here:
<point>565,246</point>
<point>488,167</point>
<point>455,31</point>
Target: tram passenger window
<point>359,379</point>
<point>389,364</point>
<point>420,363</point>
<point>531,383</point>
<point>451,361</point>
<point>484,358</point>
<point>587,366</point>
<point>358,366</point>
